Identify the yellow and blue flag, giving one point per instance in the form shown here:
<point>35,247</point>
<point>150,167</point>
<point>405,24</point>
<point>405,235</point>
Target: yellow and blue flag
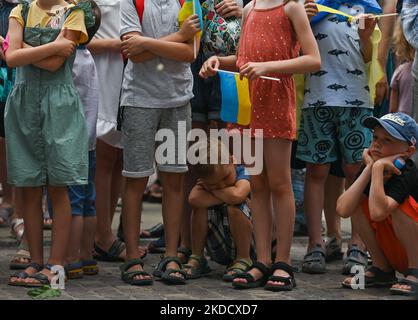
<point>189,8</point>
<point>235,104</point>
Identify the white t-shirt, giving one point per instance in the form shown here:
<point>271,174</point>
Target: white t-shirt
<point>110,71</point>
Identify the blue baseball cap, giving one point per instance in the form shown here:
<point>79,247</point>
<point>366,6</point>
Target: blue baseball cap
<point>398,125</point>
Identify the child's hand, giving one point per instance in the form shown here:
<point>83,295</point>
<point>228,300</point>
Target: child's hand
<point>210,67</point>
<point>387,166</point>
<point>253,70</point>
<point>189,27</point>
<point>229,8</point>
<point>65,47</point>
<point>133,45</point>
<point>366,23</point>
<point>311,8</point>
<point>367,158</point>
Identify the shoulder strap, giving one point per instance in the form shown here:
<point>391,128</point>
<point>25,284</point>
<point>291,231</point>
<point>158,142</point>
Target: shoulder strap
<point>25,10</point>
<point>140,5</point>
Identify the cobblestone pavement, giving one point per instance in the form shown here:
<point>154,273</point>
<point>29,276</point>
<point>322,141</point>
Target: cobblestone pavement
<point>107,285</point>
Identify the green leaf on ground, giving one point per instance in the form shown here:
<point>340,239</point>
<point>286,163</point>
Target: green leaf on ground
<point>44,292</point>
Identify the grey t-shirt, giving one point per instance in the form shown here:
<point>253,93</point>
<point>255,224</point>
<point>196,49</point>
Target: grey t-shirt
<point>342,80</point>
<point>415,66</point>
<point>145,85</point>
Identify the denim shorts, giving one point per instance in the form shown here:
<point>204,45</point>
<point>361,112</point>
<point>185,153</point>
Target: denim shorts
<point>82,197</point>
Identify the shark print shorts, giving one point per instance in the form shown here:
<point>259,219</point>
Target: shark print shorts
<point>325,130</point>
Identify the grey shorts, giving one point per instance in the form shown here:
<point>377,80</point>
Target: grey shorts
<point>159,136</point>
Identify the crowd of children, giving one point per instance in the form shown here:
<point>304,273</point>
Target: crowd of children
<point>86,80</point>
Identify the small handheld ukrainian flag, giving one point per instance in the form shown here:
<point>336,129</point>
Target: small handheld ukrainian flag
<point>236,104</point>
<point>191,7</point>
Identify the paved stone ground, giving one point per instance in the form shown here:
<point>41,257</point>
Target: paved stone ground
<point>107,285</point>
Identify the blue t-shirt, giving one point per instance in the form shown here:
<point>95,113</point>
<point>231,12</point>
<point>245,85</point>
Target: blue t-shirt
<point>242,173</point>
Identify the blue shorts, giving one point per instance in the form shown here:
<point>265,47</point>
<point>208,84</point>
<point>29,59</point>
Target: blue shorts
<point>326,132</point>
<point>82,197</point>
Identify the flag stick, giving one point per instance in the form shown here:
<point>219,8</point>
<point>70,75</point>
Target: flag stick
<point>385,15</point>
<point>237,73</point>
<point>195,37</point>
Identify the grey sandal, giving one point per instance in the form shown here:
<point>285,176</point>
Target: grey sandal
<point>314,261</point>
<point>406,282</point>
<point>24,275</point>
<point>197,272</point>
<point>355,257</point>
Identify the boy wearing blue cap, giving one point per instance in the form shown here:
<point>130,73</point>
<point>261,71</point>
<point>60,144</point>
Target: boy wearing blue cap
<point>383,204</point>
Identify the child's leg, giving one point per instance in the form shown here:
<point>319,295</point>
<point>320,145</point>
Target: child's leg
<point>60,229</point>
<point>74,244</point>
<point>368,235</point>
<point>87,240</point>
<point>241,231</point>
<point>106,160</point>
<point>277,154</point>
<point>32,199</point>
<point>351,171</point>
<point>199,230</point>
<point>406,230</point>
<point>334,187</point>
<point>262,218</point>
<point>131,212</point>
<point>173,186</point>
<point>316,175</point>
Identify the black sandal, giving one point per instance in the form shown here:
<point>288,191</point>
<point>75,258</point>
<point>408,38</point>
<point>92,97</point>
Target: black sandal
<point>379,279</point>
<point>289,282</point>
<point>165,274</point>
<point>407,282</point>
<point>111,255</point>
<point>24,275</point>
<point>129,276</point>
<point>251,282</point>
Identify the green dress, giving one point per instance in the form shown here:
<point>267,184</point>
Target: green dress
<point>46,134</point>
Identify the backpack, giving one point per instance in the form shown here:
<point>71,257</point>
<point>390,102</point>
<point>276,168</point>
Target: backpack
<point>140,4</point>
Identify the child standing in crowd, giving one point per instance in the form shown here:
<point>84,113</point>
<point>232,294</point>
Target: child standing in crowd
<point>221,218</point>
<point>336,99</point>
<point>264,51</point>
<point>222,27</point>
<point>47,141</point>
<point>402,81</point>
<point>106,51</point>
<point>383,202</point>
<point>79,260</point>
<point>159,56</point>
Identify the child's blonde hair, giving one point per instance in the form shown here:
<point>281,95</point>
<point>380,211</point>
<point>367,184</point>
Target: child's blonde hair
<point>403,50</point>
<point>211,150</point>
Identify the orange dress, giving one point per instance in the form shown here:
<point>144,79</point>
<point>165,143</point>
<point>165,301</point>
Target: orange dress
<point>268,35</point>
